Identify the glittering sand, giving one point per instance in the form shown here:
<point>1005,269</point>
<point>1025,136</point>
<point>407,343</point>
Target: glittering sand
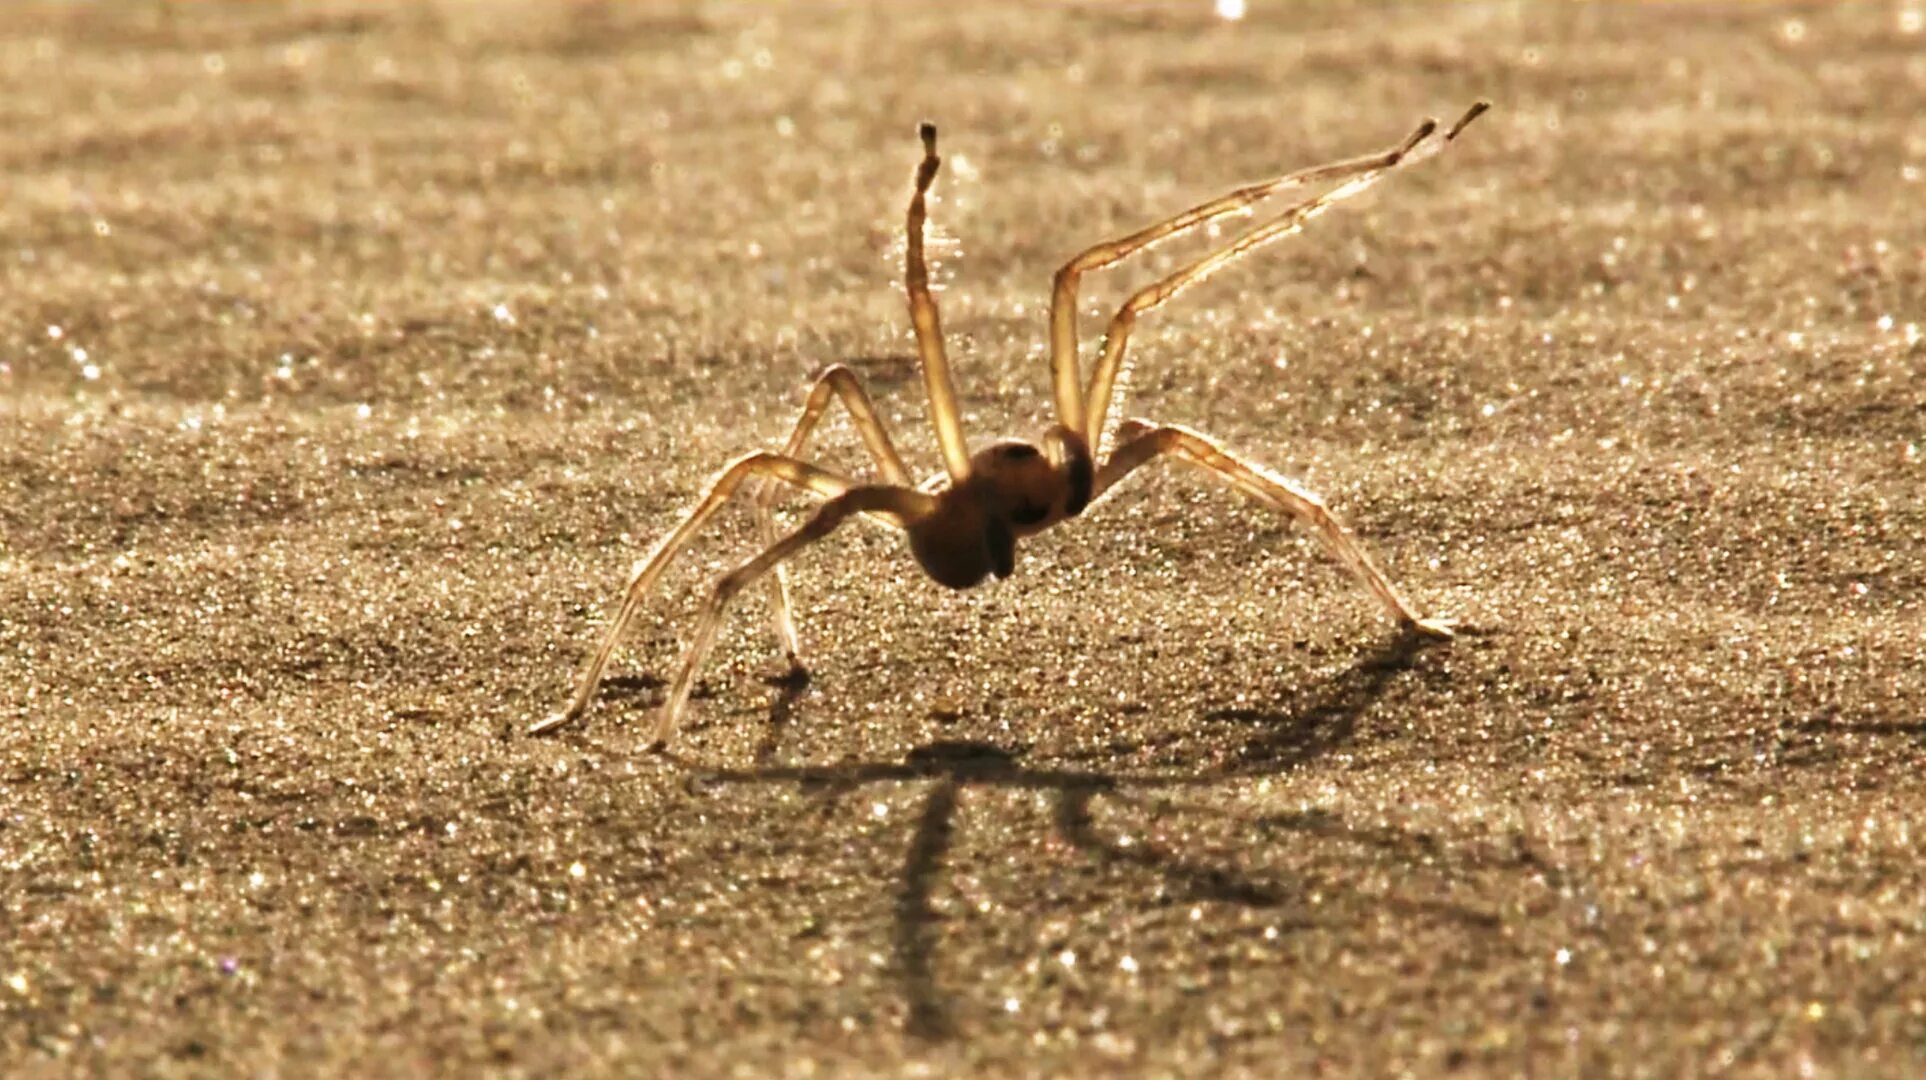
<point>350,353</point>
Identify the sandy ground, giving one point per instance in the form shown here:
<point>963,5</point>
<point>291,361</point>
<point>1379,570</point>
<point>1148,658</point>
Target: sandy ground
<point>350,353</point>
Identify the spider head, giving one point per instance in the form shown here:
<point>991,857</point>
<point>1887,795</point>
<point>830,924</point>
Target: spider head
<point>1034,489</point>
<point>1019,485</point>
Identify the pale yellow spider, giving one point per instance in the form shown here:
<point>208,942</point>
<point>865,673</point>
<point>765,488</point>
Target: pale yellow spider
<point>964,524</point>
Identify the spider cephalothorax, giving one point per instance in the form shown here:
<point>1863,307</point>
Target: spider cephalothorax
<point>964,524</point>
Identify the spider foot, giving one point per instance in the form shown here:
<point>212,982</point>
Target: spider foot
<point>550,722</point>
<point>1438,629</point>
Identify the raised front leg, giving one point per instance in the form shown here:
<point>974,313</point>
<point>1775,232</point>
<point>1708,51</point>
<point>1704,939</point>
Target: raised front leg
<point>1072,398</point>
<point>1360,175</point>
<point>929,324</point>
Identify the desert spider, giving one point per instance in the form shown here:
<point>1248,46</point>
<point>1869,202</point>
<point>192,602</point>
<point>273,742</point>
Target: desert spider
<point>964,524</point>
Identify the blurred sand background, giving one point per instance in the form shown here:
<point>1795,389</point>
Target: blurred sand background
<point>349,353</point>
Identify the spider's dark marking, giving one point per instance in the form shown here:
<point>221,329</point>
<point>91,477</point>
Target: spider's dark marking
<point>1083,477</point>
<point>926,172</point>
<point>1018,451</point>
<point>1028,513</point>
<point>1002,543</point>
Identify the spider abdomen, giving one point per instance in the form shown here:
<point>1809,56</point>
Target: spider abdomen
<point>963,542</point>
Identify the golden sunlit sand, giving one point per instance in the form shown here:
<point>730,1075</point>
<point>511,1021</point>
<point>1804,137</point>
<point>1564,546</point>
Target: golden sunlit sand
<point>351,353</point>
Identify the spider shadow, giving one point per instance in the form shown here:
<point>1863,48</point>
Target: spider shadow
<point>1283,739</point>
<point>630,687</point>
<point>1286,738</point>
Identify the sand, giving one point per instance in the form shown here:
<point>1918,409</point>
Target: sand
<point>351,352</point>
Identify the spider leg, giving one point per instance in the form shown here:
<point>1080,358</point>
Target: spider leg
<point>1146,443</point>
<point>788,470</point>
<point>842,383</point>
<point>833,382</point>
<point>929,324</point>
<point>1103,379</point>
<point>900,503</point>
<point>1065,372</point>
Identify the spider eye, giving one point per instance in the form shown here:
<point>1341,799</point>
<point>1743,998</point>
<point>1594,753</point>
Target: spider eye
<point>1018,452</point>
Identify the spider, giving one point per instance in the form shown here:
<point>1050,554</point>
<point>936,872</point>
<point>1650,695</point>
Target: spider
<point>963,524</point>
